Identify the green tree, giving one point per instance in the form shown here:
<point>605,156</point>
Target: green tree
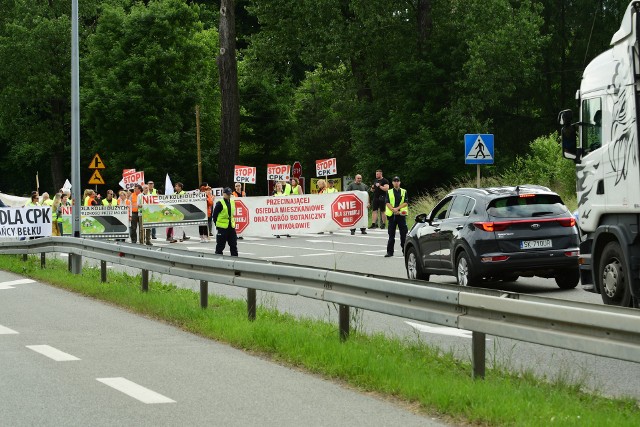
<point>147,68</point>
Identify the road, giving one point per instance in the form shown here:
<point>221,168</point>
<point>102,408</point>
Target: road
<point>365,254</point>
<point>72,361</point>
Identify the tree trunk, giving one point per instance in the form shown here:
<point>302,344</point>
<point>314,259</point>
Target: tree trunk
<point>228,70</point>
<point>425,23</point>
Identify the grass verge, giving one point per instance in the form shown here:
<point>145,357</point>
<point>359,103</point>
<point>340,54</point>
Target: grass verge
<point>408,370</point>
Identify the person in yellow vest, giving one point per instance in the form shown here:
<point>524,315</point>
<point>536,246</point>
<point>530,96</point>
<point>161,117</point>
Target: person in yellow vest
<point>331,189</point>
<point>224,217</point>
<point>55,203</point>
<point>295,188</point>
<point>109,200</point>
<point>45,200</point>
<point>397,208</point>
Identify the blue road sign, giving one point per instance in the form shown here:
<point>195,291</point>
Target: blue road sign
<point>478,149</point>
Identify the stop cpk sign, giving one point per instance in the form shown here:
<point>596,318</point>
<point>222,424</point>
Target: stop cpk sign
<point>347,210</point>
<point>242,216</point>
<point>297,170</point>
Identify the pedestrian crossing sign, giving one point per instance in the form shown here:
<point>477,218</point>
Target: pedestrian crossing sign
<point>478,149</point>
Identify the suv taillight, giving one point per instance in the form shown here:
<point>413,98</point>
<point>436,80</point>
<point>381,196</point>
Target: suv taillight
<point>491,226</point>
<point>567,222</point>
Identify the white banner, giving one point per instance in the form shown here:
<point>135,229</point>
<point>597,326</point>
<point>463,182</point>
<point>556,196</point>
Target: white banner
<point>105,222</point>
<point>25,222</point>
<point>326,167</point>
<point>173,210</point>
<point>13,201</point>
<point>278,172</point>
<point>244,174</point>
<point>312,213</point>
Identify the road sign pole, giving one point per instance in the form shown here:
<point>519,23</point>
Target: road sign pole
<point>76,260</point>
<point>478,176</point>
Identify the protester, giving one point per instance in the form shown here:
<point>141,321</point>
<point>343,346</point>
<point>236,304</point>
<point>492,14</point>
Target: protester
<point>55,207</point>
<point>34,201</point>
<point>64,201</point>
<point>204,229</point>
<point>45,200</point>
<point>322,186</point>
<point>397,203</point>
<point>153,192</point>
<point>294,188</point>
<point>379,188</point>
<point>178,232</point>
<point>224,218</point>
<point>358,185</point>
<point>331,188</point>
<point>133,214</point>
<point>109,200</point>
<point>238,192</point>
<point>144,231</point>
<point>278,192</point>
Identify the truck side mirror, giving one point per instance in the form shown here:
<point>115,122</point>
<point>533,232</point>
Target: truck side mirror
<point>568,134</point>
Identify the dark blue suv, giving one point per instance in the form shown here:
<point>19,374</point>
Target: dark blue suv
<point>498,233</point>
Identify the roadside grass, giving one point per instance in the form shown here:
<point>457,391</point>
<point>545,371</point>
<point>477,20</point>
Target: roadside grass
<point>408,370</point>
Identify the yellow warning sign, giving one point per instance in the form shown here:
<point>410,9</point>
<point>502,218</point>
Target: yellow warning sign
<point>96,163</point>
<point>96,178</point>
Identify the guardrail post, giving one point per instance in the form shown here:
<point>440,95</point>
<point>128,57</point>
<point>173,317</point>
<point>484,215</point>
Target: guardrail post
<point>69,262</point>
<point>251,304</point>
<point>43,260</point>
<point>24,257</point>
<point>103,271</point>
<point>145,280</point>
<point>478,354</point>
<point>343,321</point>
<point>204,293</point>
<point>75,263</point>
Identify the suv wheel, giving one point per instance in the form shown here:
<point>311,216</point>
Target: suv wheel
<point>414,268</point>
<point>464,270</point>
<point>568,279</point>
<point>612,279</point>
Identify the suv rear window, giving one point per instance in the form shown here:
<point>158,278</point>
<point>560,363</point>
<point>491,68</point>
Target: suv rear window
<point>526,206</point>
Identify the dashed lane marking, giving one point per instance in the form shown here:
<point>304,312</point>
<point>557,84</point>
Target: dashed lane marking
<point>6,331</point>
<point>11,284</point>
<point>52,353</point>
<point>134,390</point>
<point>337,252</point>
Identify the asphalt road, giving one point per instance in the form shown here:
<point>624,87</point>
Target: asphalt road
<point>69,360</point>
<point>365,254</point>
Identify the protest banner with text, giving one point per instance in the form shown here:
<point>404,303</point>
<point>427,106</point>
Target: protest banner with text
<point>173,210</point>
<point>244,174</point>
<point>278,172</point>
<point>326,167</point>
<point>25,222</point>
<point>101,222</point>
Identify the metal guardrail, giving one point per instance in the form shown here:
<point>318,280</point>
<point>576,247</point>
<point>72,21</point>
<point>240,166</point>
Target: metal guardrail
<point>589,328</point>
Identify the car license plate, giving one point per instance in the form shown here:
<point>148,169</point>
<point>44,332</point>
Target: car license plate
<point>535,244</point>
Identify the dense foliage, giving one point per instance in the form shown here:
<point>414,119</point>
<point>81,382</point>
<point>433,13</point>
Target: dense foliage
<point>375,83</point>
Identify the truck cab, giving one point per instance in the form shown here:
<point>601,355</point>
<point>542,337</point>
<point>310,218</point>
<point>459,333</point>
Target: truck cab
<point>603,143</point>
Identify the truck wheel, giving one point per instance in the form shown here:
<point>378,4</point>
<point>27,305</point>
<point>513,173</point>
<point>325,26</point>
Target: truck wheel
<point>568,279</point>
<point>612,276</point>
<point>464,270</point>
<point>414,268</point>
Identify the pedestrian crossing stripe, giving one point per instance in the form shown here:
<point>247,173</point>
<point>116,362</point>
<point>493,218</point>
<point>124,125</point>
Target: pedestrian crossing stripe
<point>479,150</point>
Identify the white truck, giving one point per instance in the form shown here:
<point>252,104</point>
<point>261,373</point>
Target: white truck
<point>605,148</point>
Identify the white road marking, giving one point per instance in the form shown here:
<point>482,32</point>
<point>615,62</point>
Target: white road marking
<point>339,243</point>
<point>11,284</point>
<point>251,238</point>
<point>324,253</point>
<point>338,252</point>
<point>280,256</point>
<point>52,353</point>
<point>134,390</point>
<point>6,331</point>
<point>441,330</point>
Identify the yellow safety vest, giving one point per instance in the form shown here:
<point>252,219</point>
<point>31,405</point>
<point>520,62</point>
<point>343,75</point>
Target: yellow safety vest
<point>114,202</point>
<point>223,217</point>
<point>86,201</point>
<point>153,192</point>
<point>392,202</point>
<point>331,190</point>
<point>295,190</point>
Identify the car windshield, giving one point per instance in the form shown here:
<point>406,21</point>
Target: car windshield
<point>527,206</point>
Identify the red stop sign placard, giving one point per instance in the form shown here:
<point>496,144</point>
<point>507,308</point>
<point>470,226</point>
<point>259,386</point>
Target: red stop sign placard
<point>297,170</point>
<point>347,210</point>
<point>242,216</point>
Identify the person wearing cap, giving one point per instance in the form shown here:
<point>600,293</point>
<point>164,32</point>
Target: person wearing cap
<point>179,234</point>
<point>238,192</point>
<point>379,188</point>
<point>397,208</point>
<point>134,215</point>
<point>331,188</point>
<point>224,217</point>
